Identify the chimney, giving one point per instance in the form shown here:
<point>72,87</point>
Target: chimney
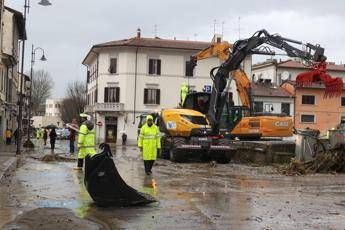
<point>138,33</point>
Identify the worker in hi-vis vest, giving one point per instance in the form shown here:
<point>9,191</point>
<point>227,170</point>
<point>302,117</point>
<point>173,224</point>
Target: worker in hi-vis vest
<point>86,140</point>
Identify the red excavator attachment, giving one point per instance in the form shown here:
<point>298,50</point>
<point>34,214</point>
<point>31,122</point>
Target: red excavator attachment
<point>333,86</point>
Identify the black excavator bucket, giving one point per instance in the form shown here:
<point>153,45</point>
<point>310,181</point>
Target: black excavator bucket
<point>105,185</point>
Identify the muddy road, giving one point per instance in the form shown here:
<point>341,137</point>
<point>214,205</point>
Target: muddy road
<point>191,196</point>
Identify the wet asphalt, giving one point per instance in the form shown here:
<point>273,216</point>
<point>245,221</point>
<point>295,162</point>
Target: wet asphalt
<point>191,195</point>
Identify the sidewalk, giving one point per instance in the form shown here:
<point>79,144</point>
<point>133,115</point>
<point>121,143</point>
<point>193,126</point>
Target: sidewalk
<point>8,160</point>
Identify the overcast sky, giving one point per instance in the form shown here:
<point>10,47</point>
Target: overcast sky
<point>67,29</point>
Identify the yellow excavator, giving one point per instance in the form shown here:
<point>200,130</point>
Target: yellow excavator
<point>240,121</point>
<point>197,127</point>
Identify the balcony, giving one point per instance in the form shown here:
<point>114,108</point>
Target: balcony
<point>104,107</point>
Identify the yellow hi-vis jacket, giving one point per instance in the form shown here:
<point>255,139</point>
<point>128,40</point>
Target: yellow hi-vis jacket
<point>184,92</point>
<point>150,141</point>
<point>86,142</point>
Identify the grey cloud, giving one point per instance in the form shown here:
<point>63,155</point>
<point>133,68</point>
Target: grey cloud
<point>68,28</point>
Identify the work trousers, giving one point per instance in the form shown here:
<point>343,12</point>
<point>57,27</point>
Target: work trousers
<point>148,166</point>
<point>8,140</point>
<point>52,144</point>
<point>71,146</point>
<point>80,162</point>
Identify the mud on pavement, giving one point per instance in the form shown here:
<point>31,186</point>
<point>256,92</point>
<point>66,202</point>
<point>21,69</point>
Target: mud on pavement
<point>191,196</point>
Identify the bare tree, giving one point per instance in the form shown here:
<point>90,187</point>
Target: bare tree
<point>42,85</point>
<point>74,102</point>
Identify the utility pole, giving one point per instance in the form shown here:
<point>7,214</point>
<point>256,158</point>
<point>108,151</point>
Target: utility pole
<point>20,102</point>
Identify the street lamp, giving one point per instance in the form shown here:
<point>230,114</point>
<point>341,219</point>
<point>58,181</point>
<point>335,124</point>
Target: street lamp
<point>44,3</point>
<point>20,102</point>
<point>28,142</point>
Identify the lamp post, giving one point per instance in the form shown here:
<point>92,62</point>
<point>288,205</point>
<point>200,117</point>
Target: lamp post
<point>20,102</point>
<point>28,142</point>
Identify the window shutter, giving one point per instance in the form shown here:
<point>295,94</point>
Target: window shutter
<point>158,67</point>
<point>150,66</point>
<point>115,65</point>
<point>117,98</point>
<point>158,96</point>
<point>106,94</point>
<point>145,95</point>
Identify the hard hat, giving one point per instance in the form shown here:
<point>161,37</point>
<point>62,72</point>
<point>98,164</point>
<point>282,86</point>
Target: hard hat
<point>149,117</point>
<point>83,115</point>
<point>87,116</point>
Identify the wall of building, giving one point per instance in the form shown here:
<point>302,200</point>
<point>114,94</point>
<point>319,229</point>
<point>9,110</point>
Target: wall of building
<point>275,103</point>
<point>41,121</point>
<point>327,111</point>
<point>53,107</point>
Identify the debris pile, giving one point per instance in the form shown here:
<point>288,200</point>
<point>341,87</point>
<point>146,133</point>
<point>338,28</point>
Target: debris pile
<point>53,157</point>
<point>332,161</point>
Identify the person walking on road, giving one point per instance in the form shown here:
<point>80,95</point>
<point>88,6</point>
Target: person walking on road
<point>149,143</point>
<point>52,136</point>
<point>86,140</point>
<point>45,136</point>
<point>72,134</point>
<point>8,135</point>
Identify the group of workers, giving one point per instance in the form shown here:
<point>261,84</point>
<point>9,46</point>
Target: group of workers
<point>148,141</point>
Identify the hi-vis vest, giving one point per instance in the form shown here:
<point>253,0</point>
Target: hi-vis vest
<point>150,141</point>
<point>86,142</point>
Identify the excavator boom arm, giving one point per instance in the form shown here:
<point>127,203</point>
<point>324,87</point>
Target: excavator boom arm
<point>244,47</point>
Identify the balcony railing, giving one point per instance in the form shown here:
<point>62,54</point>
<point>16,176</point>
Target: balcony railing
<point>105,107</point>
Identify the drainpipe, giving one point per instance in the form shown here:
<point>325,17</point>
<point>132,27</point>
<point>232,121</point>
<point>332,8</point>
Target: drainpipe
<point>135,82</point>
<point>96,95</point>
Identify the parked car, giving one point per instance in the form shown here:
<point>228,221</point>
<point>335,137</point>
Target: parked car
<point>62,134</point>
<point>65,134</point>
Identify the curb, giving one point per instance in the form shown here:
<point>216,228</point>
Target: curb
<point>7,168</point>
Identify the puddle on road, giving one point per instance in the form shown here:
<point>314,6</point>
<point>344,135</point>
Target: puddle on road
<point>190,195</point>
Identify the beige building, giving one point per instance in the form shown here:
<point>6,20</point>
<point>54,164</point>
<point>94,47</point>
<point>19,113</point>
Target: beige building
<point>12,30</point>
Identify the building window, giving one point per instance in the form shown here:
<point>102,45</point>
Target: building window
<point>96,96</point>
<point>306,118</point>
<point>285,108</point>
<point>152,96</point>
<point>342,101</point>
<point>269,108</point>
<point>308,100</point>
<point>56,105</point>
<point>112,94</point>
<point>113,65</point>
<point>154,66</point>
<point>50,105</point>
<point>189,69</point>
<point>258,106</point>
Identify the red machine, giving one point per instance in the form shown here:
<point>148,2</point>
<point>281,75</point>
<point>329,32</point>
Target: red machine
<point>333,86</point>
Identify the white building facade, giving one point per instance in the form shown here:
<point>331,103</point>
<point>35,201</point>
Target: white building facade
<point>279,71</point>
<point>133,76</point>
<point>52,115</point>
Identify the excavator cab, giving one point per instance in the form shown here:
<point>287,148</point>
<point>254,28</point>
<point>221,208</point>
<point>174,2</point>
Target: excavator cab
<point>199,101</point>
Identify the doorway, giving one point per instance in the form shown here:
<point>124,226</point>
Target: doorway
<point>110,129</point>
